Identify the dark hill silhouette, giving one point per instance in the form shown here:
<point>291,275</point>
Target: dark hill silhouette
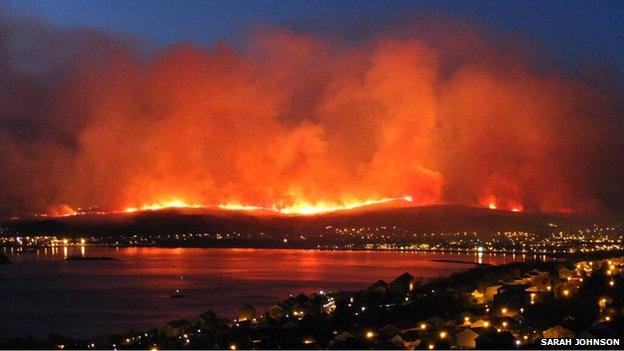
<point>438,218</point>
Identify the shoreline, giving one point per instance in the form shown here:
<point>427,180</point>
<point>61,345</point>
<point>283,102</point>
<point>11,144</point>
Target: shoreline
<point>553,256</point>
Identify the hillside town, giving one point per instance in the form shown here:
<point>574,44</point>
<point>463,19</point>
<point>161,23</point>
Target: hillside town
<point>506,307</point>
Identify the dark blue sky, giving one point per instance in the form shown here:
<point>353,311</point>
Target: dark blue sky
<point>575,29</point>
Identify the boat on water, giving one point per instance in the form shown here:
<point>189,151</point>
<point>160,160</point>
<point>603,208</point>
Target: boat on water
<point>176,294</point>
<point>89,258</point>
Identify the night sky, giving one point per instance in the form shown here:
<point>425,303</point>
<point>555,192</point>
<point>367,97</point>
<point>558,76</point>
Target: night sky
<point>573,30</point>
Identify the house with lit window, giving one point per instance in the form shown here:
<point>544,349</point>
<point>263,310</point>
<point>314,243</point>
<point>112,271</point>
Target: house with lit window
<point>402,287</point>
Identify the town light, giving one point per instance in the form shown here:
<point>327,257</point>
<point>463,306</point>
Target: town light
<point>566,292</point>
<point>423,326</point>
<point>503,310</point>
<point>442,334</point>
<point>232,347</point>
<point>370,334</point>
<point>431,346</point>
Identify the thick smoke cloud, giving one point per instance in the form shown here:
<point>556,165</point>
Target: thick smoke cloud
<point>442,113</point>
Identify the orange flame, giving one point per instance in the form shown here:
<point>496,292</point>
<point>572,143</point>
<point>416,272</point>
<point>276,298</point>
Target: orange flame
<point>161,205</point>
<point>307,208</point>
<point>239,207</point>
<point>299,208</point>
<point>492,202</point>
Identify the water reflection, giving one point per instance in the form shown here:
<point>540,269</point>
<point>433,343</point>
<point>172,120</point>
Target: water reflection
<point>43,294</point>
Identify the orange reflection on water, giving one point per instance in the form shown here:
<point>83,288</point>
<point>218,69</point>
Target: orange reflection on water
<point>225,279</point>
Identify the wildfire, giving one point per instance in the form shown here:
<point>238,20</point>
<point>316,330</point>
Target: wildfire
<point>239,207</point>
<point>516,207</point>
<point>301,208</point>
<point>306,208</point>
<point>492,203</point>
<point>298,208</point>
<point>161,205</point>
<point>62,210</point>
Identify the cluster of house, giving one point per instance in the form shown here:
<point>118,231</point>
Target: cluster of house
<point>495,312</point>
<point>501,309</point>
<point>184,328</point>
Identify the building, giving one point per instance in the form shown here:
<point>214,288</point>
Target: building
<point>477,297</point>
<point>557,332</point>
<point>246,313</point>
<point>465,318</point>
<point>490,291</point>
<point>344,336</point>
<point>173,329</point>
<point>276,312</point>
<point>402,286</point>
<point>389,331</point>
<point>378,288</point>
<point>565,273</point>
<point>481,323</point>
<point>511,295</point>
<point>466,339</point>
<point>436,322</point>
<point>206,319</point>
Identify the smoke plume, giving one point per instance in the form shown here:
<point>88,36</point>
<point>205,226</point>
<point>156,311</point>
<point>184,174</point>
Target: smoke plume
<point>444,114</point>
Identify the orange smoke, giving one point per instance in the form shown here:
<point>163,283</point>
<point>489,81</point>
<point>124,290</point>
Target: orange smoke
<point>61,210</point>
<point>298,124</point>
